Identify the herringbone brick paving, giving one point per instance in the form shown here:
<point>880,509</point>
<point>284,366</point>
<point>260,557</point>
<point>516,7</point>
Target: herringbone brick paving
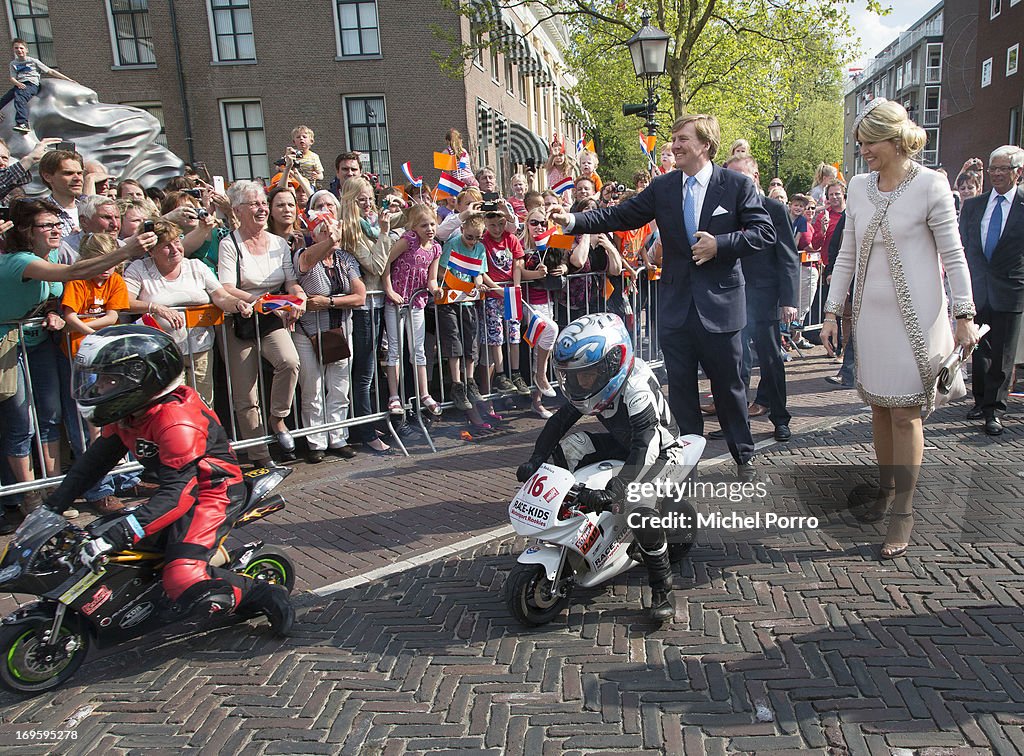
<point>796,642</point>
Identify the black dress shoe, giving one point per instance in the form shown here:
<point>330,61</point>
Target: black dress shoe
<point>663,608</point>
<point>782,433</point>
<point>975,413</point>
<point>717,435</point>
<point>346,451</point>
<point>315,456</point>
<point>9,522</point>
<point>746,471</point>
<point>993,427</point>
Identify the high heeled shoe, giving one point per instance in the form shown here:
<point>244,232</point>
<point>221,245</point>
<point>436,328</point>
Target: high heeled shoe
<point>876,510</point>
<point>897,538</point>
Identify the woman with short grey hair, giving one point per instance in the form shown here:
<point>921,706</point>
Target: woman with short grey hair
<point>253,262</point>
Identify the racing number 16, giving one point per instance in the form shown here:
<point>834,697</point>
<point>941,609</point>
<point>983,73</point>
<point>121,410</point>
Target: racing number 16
<point>538,486</point>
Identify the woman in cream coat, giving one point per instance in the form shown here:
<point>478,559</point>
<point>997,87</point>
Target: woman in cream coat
<point>900,225</point>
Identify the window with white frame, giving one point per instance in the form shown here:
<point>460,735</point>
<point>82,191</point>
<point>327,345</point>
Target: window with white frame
<point>476,39</point>
<point>30,20</point>
<point>986,72</point>
<point>231,30</point>
<point>521,75</point>
<point>130,33</point>
<point>996,8</point>
<point>245,142</point>
<point>366,123</point>
<point>156,110</point>
<point>495,69</point>
<point>509,76</point>
<point>1012,53</point>
<point>358,27</point>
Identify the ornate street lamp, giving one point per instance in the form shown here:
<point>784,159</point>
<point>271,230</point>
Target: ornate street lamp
<point>775,132</point>
<point>648,48</point>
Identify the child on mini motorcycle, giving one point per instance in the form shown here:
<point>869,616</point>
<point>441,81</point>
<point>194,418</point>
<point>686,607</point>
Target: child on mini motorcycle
<point>593,356</point>
<point>128,380</point>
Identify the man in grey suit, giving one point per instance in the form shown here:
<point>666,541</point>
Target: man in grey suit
<point>709,218</point>
<point>992,231</point>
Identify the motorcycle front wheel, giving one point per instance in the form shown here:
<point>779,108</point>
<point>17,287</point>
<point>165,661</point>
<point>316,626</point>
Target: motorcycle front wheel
<point>530,597</point>
<point>272,567</point>
<point>27,665</point>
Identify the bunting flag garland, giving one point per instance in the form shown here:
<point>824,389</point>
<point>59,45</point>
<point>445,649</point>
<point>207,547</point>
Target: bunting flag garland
<point>564,186</point>
<point>272,302</point>
<point>444,161</point>
<point>450,185</point>
<point>407,170</point>
<point>536,327</point>
<point>467,266</point>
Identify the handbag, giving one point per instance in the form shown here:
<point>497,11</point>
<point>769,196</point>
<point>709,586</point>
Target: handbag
<point>9,364</point>
<point>330,345</point>
<point>245,328</point>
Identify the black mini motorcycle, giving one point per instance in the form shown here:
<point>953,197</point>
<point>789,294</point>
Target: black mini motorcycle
<point>43,643</point>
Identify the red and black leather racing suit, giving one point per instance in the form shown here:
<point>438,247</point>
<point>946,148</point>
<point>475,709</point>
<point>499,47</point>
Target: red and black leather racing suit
<point>180,440</point>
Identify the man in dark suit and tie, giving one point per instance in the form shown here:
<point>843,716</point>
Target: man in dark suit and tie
<point>992,231</point>
<point>772,280</point>
<point>709,218</point>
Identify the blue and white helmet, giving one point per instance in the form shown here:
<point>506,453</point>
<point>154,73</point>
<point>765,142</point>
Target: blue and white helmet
<point>593,357</point>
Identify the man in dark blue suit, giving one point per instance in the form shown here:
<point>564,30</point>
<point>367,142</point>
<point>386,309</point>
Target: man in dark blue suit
<point>708,218</point>
<point>772,280</point>
<point>992,232</point>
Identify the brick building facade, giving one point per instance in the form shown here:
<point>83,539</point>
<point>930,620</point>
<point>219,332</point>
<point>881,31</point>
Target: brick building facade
<point>229,79</point>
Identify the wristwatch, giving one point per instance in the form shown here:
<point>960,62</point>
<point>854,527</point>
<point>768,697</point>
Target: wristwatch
<point>331,300</point>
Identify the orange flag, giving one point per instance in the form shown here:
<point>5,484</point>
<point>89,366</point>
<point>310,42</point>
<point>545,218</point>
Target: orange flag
<point>445,162</point>
<point>560,241</point>
<point>609,289</point>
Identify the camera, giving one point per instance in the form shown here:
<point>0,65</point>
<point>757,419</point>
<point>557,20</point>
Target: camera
<point>531,164</point>
<point>197,193</point>
<point>148,226</point>
<point>5,214</point>
<point>490,203</point>
<point>202,213</point>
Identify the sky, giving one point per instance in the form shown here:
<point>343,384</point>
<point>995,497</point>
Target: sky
<point>876,32</point>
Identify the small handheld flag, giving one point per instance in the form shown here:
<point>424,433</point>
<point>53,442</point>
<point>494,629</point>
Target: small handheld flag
<point>452,281</point>
<point>407,170</point>
<point>465,265</point>
<point>541,242</point>
<point>444,161</point>
<point>536,327</point>
<point>580,144</point>
<point>647,143</point>
<point>150,321</point>
<point>463,162</point>
<point>564,186</point>
<point>561,241</point>
<point>513,297</point>
<point>609,288</point>
<point>450,185</point>
<point>272,302</point>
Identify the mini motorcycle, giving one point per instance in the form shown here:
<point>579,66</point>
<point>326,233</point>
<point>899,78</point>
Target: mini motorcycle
<point>42,644</point>
<point>574,547</point>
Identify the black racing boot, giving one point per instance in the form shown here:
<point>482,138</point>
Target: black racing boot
<point>663,608</point>
<point>271,601</point>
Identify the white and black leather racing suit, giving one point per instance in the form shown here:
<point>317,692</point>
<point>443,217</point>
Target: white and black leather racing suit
<point>642,433</point>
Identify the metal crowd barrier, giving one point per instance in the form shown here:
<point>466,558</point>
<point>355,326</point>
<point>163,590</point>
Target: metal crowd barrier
<point>637,302</point>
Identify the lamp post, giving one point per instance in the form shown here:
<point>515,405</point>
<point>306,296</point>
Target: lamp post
<point>648,48</point>
<point>775,131</point>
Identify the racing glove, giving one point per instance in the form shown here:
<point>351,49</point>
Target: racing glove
<point>526,470</point>
<point>92,551</point>
<point>598,501</point>
<point>120,533</point>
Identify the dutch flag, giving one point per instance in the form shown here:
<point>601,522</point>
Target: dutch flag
<point>513,296</point>
<point>407,170</point>
<point>450,185</point>
<point>564,186</point>
<point>465,265</point>
<point>535,328</point>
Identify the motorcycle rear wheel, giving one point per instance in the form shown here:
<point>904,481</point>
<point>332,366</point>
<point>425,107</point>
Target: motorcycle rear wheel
<point>528,595</point>
<point>272,567</point>
<point>23,667</point>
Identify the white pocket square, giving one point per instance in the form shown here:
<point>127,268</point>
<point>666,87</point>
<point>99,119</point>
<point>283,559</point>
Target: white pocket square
<point>719,211</point>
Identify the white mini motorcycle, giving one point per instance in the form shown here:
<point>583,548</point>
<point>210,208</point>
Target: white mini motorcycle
<point>578,548</point>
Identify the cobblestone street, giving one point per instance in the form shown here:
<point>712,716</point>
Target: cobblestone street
<point>784,642</point>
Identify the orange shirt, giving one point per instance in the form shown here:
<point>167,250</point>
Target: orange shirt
<point>631,245</point>
<point>90,301</point>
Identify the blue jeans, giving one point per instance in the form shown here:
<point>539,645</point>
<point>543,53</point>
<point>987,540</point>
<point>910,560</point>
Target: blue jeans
<point>366,325</point>
<point>15,419</point>
<point>846,371</point>
<point>21,98</point>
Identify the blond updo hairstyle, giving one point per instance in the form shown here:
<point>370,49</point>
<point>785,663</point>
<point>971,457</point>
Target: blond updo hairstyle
<point>889,121</point>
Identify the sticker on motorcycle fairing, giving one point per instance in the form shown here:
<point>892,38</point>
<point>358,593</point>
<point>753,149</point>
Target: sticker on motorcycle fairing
<point>532,550</point>
<point>607,554</point>
<point>587,537</point>
<point>9,573</point>
<point>529,514</point>
<point>550,495</point>
<point>81,586</point>
<point>98,598</point>
<point>136,615</point>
